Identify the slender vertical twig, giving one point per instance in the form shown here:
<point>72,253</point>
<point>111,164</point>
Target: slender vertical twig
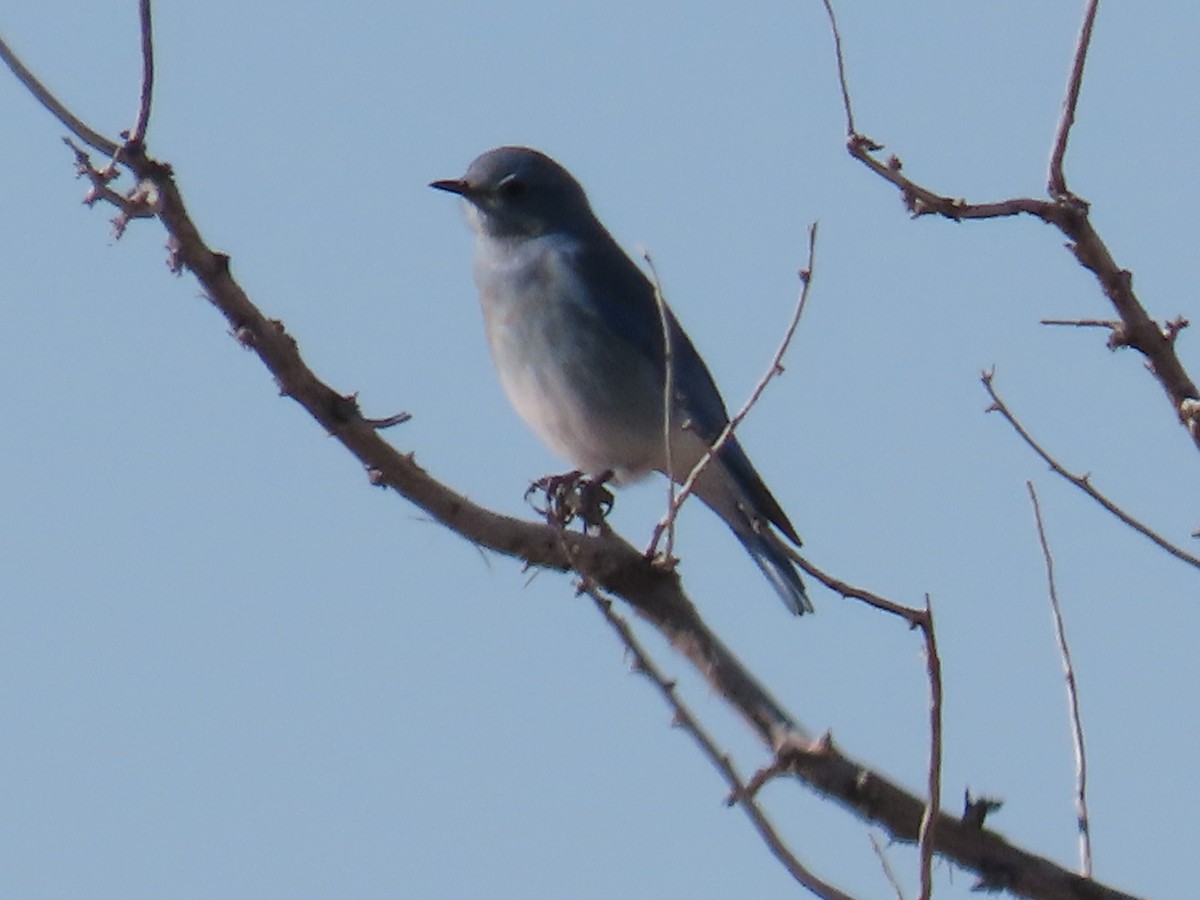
<point>1064,650</point>
<point>776,368</point>
<point>138,134</point>
<point>1056,183</point>
<point>888,872</point>
<point>841,68</point>
<point>664,319</point>
<point>925,836</point>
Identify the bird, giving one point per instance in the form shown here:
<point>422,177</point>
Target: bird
<point>577,336</point>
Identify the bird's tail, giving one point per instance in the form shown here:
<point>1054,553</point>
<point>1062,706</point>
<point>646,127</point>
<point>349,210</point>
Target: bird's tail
<point>734,491</point>
<point>768,552</point>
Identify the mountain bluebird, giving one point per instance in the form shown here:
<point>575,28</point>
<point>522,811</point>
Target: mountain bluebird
<point>577,337</point>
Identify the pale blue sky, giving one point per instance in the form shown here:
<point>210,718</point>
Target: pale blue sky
<point>231,668</point>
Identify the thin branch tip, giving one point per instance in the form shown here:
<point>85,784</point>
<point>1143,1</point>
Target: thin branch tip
<point>1083,482</point>
<point>687,488</point>
<point>389,421</point>
<point>138,135</point>
<point>1077,736</point>
<point>1056,182</point>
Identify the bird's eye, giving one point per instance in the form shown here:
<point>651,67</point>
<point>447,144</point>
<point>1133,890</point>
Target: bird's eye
<point>511,186</point>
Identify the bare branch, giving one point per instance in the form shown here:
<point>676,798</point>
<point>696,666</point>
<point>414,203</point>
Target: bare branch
<point>1000,867</point>
<point>90,137</point>
<point>1080,481</point>
<point>1064,650</point>
<point>684,718</point>
<point>1069,214</point>
<point>1056,184</point>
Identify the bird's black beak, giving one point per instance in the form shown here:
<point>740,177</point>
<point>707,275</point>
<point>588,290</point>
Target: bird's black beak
<point>454,186</point>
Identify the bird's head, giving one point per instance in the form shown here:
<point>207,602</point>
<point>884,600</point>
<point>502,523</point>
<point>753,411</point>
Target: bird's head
<point>519,192</point>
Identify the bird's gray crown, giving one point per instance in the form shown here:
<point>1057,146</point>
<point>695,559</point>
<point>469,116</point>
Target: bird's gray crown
<point>519,192</point>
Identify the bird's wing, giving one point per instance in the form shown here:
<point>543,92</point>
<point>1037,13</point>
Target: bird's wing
<point>631,312</point>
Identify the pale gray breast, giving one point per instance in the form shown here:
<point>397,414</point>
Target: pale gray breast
<point>587,393</point>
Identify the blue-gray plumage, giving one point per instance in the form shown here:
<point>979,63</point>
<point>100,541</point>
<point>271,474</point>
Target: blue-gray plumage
<point>576,335</point>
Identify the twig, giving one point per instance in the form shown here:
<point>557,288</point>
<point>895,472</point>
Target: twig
<point>921,201</point>
<point>388,421</point>
<point>922,619</point>
<point>100,180</point>
<point>89,136</point>
<point>1083,323</point>
<point>138,134</point>
<point>1117,336</point>
<point>1080,481</point>
<point>141,202</point>
<point>1081,808</point>
<point>664,319</point>
<point>914,617</point>
<point>683,717</point>
<point>841,68</point>
<point>888,872</point>
<point>1056,183</point>
<point>926,837</point>
<point>1172,328</point>
<point>776,368</point>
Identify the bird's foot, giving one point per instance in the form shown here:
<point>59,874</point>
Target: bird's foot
<point>572,496</point>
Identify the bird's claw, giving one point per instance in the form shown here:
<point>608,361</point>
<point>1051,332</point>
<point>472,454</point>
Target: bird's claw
<point>572,496</point>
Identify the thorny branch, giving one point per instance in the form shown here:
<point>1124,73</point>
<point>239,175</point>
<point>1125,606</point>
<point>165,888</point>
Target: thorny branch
<point>684,718</point>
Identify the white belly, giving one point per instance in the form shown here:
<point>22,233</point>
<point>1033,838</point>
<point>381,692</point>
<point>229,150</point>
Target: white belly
<point>586,393</point>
